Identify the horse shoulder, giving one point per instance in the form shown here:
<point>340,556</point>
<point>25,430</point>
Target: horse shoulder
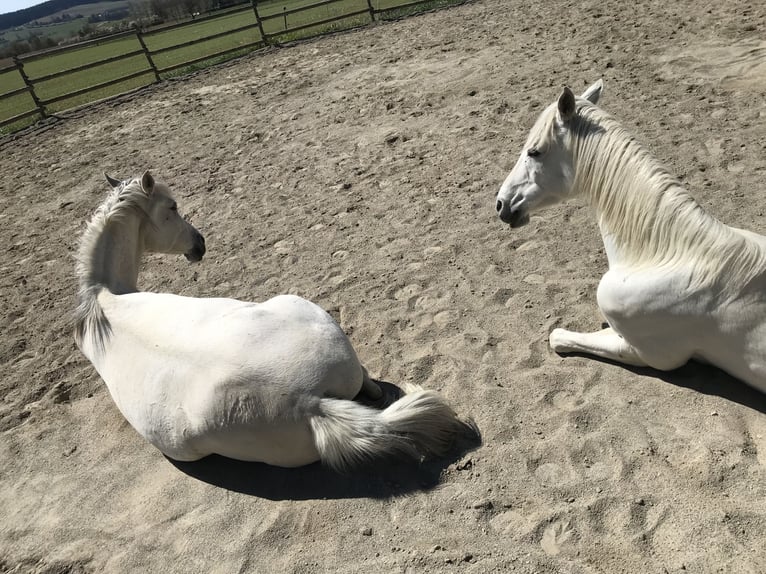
<point>657,291</point>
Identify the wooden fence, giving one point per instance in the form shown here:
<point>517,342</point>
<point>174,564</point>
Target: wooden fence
<point>266,29</point>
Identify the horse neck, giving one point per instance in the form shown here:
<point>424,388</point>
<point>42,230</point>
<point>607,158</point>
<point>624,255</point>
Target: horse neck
<point>108,258</point>
<point>111,257</point>
<point>643,212</point>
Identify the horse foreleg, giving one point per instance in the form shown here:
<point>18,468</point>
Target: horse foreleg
<point>606,344</point>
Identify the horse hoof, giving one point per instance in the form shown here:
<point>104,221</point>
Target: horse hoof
<point>371,389</point>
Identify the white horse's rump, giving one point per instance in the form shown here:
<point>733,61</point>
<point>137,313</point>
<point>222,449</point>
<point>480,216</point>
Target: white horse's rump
<point>268,382</point>
<point>680,284</point>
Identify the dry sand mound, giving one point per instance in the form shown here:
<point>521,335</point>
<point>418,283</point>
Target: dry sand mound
<point>360,171</point>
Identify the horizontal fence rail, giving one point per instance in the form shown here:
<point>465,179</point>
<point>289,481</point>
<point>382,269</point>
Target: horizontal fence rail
<point>88,66</point>
<point>138,58</point>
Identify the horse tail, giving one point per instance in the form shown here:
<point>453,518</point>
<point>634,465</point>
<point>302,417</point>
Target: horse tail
<point>419,425</point>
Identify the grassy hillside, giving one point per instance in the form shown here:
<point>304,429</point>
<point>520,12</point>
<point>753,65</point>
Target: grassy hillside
<point>58,23</point>
<point>58,31</point>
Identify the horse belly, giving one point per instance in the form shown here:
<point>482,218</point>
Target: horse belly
<point>252,417</point>
<point>289,444</point>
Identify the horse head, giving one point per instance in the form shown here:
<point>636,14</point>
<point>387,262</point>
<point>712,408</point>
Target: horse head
<point>544,173</point>
<point>163,228</point>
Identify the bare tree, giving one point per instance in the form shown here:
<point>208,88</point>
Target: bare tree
<point>160,9</point>
<point>140,10</point>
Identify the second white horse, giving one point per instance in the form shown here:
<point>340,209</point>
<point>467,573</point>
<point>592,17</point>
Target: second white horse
<point>681,285</point>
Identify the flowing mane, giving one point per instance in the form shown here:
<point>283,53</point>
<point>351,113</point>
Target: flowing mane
<point>647,211</point>
<point>89,318</point>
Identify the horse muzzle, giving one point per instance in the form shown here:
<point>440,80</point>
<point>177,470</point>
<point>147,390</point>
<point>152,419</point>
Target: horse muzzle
<point>511,213</point>
<point>198,251</point>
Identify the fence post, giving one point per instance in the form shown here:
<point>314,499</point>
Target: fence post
<point>372,10</point>
<point>147,54</point>
<point>258,21</point>
<point>30,86</point>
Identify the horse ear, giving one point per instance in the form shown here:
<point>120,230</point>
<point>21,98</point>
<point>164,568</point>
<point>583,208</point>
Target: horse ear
<point>566,105</point>
<point>115,183</point>
<point>593,94</point>
<point>147,183</point>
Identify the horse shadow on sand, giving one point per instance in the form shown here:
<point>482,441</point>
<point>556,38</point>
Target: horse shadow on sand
<point>381,480</point>
<point>699,377</point>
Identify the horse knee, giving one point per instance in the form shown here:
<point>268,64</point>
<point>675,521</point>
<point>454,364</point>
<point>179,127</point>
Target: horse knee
<point>560,340</point>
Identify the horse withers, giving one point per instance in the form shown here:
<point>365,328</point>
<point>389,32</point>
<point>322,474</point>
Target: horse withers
<point>270,382</point>
<point>681,285</point>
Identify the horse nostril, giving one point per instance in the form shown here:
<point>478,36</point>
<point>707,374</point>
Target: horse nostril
<point>499,205</point>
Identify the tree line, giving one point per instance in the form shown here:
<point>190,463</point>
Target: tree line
<point>163,9</point>
<point>139,13</point>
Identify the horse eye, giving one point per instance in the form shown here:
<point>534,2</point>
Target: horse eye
<point>533,152</point>
<point>174,207</point>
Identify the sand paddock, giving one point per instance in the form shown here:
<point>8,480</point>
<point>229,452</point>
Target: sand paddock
<point>360,171</point>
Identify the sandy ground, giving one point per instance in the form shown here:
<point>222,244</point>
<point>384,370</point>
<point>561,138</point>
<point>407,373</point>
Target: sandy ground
<point>360,171</point>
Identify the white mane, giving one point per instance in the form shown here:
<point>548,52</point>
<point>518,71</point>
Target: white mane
<point>89,318</point>
<point>650,215</point>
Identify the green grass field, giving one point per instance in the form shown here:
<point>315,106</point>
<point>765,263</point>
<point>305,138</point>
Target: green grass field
<point>276,23</point>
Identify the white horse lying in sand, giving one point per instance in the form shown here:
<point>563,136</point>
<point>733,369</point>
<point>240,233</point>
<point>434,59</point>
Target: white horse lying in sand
<point>681,285</point>
<point>269,382</point>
